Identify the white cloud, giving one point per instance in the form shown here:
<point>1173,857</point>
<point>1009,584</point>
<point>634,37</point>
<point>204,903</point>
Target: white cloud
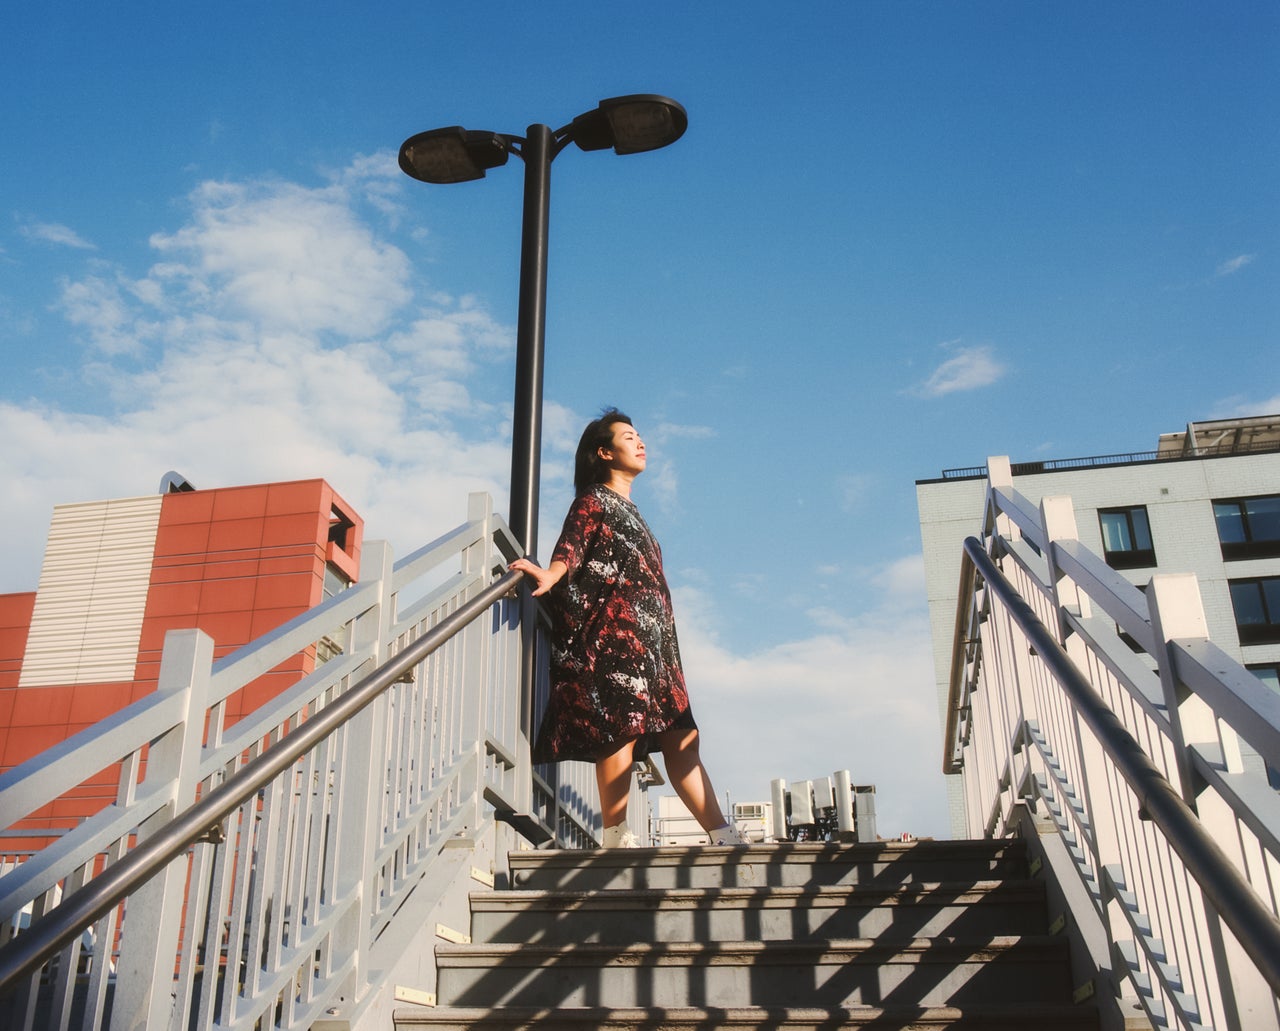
<point>1234,265</point>
<point>56,234</point>
<point>852,489</point>
<point>561,428</point>
<point>968,369</point>
<point>100,305</point>
<point>662,483</point>
<point>902,579</point>
<point>1239,408</point>
<point>376,178</point>
<point>667,431</point>
<point>257,350</point>
<point>285,257</point>
<point>225,411</point>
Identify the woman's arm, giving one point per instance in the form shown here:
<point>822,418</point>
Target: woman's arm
<point>545,579</point>
<point>581,525</point>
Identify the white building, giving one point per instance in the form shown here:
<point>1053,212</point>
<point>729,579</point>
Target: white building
<point>1206,501</point>
<point>675,825</point>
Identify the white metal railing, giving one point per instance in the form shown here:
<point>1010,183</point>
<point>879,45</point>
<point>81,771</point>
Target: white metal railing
<point>1135,755</point>
<point>291,906</point>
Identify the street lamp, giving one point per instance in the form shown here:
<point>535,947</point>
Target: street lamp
<point>628,125</point>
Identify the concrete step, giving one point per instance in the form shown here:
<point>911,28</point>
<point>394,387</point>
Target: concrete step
<point>1014,971</point>
<point>902,911</point>
<point>787,864</point>
<point>894,1018</point>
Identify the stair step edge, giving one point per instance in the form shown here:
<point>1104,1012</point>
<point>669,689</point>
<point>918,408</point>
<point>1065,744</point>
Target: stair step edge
<point>924,851</point>
<point>830,949</point>
<point>914,892</point>
<point>753,1017</point>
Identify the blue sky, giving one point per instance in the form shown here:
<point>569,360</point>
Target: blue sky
<point>896,238</point>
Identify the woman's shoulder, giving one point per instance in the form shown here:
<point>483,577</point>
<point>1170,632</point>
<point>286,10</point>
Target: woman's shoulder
<point>600,497</point>
<point>587,508</point>
<point>603,502</point>
<point>593,498</point>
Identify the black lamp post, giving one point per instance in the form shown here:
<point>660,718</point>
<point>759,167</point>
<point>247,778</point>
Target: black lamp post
<point>627,124</point>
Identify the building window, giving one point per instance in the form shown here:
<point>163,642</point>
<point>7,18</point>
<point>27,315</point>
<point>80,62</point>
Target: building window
<point>1126,537</point>
<point>1257,605</point>
<point>340,527</point>
<point>1269,674</point>
<point>335,580</point>
<point>1249,527</point>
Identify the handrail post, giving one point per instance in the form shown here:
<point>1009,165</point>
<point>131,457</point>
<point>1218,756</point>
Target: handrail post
<point>1008,706</point>
<point>1177,612</point>
<point>1173,600</point>
<point>474,687</point>
<point>999,476</point>
<point>360,776</point>
<point>145,969</point>
<point>559,813</point>
<point>370,631</point>
<point>527,685</point>
<point>1058,517</point>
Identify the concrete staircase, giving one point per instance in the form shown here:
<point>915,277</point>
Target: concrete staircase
<point>786,936</point>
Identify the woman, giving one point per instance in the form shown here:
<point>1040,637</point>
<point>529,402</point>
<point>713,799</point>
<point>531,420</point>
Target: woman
<point>617,689</point>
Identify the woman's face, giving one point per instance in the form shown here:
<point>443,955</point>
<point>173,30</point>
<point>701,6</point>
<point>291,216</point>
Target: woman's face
<point>626,454</point>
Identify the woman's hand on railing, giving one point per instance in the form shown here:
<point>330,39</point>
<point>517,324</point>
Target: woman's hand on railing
<point>544,579</point>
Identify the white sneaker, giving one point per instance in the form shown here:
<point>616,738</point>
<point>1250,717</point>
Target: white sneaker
<point>727,835</point>
<point>619,836</point>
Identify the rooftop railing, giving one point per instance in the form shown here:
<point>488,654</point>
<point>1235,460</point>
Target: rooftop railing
<point>1052,465</point>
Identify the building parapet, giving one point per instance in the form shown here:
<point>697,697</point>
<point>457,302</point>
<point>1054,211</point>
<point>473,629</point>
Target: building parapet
<point>1053,465</point>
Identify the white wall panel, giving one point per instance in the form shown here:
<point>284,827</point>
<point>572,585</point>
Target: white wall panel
<point>92,594</point>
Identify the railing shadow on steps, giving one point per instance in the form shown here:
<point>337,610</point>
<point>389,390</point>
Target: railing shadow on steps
<point>272,872</point>
<point>783,935</point>
<point>1120,759</point>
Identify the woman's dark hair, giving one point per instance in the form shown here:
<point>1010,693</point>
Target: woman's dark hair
<point>588,467</point>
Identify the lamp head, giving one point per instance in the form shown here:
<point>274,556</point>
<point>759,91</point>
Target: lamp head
<point>452,155</point>
<point>631,124</point>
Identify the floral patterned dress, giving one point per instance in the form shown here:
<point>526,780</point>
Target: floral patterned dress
<point>615,662</point>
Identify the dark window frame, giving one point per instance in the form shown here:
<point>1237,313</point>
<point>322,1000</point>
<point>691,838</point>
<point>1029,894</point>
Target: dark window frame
<point>1267,631</point>
<point>1257,668</point>
<point>1128,558</point>
<point>1252,546</point>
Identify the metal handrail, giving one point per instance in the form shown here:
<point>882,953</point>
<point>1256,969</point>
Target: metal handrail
<point>959,642</point>
<point>1256,928</point>
<point>46,937</point>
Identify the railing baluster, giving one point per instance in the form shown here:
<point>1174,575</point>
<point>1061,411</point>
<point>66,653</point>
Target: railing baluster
<point>153,914</point>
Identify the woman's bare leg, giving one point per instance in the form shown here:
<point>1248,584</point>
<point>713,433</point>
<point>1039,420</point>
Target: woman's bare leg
<point>613,778</point>
<point>689,777</point>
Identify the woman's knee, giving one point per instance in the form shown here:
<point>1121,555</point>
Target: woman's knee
<point>621,758</point>
<point>679,741</point>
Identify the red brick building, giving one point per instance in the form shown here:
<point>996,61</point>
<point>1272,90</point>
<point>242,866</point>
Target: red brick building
<point>236,562</point>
